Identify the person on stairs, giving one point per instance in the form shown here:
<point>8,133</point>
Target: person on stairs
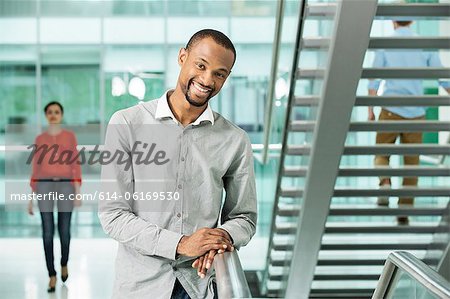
<point>403,58</point>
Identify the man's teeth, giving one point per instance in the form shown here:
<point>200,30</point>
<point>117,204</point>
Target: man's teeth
<point>198,87</point>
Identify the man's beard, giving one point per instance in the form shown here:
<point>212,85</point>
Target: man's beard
<point>191,101</point>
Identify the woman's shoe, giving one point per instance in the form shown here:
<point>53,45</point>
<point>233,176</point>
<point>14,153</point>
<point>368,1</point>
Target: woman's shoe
<point>51,284</point>
<point>64,273</point>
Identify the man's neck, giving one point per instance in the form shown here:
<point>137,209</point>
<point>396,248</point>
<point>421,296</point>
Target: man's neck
<point>184,112</point>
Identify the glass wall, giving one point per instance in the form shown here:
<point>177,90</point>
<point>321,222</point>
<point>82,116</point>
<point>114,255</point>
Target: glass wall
<point>85,54</point>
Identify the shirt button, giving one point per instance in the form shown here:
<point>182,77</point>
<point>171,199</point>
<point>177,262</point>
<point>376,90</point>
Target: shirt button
<point>179,215</point>
<point>179,186</point>
<point>182,159</point>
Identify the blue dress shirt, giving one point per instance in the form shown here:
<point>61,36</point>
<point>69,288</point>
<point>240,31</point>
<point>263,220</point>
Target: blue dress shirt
<point>405,59</point>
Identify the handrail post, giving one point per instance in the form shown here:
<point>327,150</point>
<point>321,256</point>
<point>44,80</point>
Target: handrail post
<point>273,76</point>
<point>416,269</point>
<point>230,277</point>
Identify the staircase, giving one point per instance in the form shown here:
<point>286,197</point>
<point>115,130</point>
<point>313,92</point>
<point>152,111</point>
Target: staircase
<point>317,198</point>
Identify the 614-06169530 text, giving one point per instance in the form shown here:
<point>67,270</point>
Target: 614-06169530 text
<point>163,195</point>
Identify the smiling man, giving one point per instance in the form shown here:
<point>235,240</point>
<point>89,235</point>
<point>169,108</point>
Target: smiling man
<point>168,254</point>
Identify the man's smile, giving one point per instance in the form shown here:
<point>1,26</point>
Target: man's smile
<point>200,89</point>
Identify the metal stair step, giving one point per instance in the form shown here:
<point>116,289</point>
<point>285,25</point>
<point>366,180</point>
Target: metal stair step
<point>409,229</point>
<point>384,73</point>
<point>290,228</point>
<point>400,126</point>
<point>314,43</point>
<point>282,262</point>
<point>306,101</point>
<point>360,293</point>
<point>404,246</point>
<point>400,73</point>
<point>380,149</point>
<point>413,10</point>
<point>415,42</point>
<point>320,9</point>
<point>299,171</point>
<point>380,126</point>
<point>394,149</point>
<point>302,126</point>
<point>389,10</point>
<point>344,277</point>
<point>409,43</point>
<point>309,73</point>
<point>359,210</point>
<point>425,100</point>
<point>403,191</point>
<point>289,246</point>
<point>364,262</point>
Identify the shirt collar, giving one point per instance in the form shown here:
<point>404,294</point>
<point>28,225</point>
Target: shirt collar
<point>163,110</point>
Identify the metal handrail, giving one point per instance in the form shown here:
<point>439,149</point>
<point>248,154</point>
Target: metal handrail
<point>230,278</point>
<point>418,270</point>
<point>290,104</point>
<point>273,76</point>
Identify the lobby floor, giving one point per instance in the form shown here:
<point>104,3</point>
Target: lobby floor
<point>23,274</point>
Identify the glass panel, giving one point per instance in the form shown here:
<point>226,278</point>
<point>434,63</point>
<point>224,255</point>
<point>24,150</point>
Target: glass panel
<point>18,86</point>
<point>16,8</point>
<point>404,286</point>
<point>127,66</point>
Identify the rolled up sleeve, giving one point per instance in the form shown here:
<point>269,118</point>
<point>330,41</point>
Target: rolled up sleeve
<point>239,212</point>
<point>378,62</point>
<point>116,216</point>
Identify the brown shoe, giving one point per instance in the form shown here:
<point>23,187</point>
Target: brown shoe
<point>64,273</point>
<point>51,284</point>
<point>402,220</point>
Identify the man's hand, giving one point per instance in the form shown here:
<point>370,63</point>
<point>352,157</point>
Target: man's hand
<point>371,114</point>
<point>204,240</point>
<point>205,262</point>
<point>372,93</point>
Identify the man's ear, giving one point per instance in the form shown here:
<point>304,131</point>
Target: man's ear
<point>182,55</point>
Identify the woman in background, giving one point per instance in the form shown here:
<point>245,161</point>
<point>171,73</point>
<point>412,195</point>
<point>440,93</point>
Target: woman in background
<point>63,178</point>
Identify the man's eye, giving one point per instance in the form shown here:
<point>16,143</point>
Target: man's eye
<point>220,75</point>
<point>200,66</point>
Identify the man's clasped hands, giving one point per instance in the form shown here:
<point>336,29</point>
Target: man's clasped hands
<point>205,244</point>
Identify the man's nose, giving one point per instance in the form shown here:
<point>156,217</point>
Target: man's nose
<point>207,79</point>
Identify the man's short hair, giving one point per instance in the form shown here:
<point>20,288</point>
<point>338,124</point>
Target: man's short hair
<point>403,23</point>
<point>217,36</point>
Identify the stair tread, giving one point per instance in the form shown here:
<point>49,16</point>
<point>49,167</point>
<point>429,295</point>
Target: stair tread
<point>296,171</point>
<point>370,192</point>
<point>366,228</point>
<point>407,42</point>
<point>413,10</point>
<point>418,148</point>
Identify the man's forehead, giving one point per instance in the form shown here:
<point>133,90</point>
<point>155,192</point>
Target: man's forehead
<point>210,51</point>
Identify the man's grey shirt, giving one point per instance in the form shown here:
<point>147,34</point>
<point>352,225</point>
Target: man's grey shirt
<point>207,157</point>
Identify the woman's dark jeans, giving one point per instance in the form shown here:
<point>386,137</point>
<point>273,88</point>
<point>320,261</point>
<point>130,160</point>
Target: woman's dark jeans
<point>65,208</point>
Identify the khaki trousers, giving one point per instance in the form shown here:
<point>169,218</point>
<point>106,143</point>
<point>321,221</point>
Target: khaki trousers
<point>405,137</point>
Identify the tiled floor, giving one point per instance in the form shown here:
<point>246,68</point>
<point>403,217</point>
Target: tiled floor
<point>23,274</point>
